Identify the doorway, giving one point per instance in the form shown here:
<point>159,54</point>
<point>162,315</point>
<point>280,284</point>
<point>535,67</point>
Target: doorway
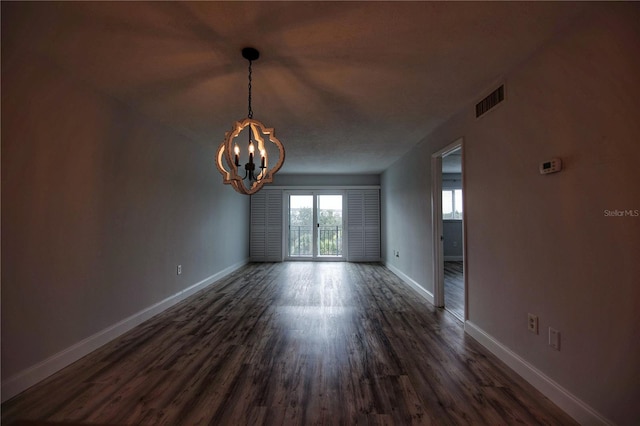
<point>315,226</point>
<point>448,226</point>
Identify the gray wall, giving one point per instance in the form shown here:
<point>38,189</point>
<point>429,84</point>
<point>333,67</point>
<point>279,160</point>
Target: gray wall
<point>451,180</point>
<point>325,180</point>
<point>544,244</point>
<point>99,205</point>
<point>452,239</point>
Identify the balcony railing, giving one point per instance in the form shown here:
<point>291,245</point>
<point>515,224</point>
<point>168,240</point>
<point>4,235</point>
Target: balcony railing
<point>329,240</point>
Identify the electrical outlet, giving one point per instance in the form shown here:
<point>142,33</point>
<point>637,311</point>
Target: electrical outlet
<point>179,269</point>
<point>532,324</point>
<point>554,338</point>
<point>397,254</point>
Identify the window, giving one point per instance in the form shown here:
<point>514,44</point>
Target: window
<point>452,204</point>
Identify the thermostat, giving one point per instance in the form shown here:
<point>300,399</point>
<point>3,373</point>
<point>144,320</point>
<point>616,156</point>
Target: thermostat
<point>551,166</point>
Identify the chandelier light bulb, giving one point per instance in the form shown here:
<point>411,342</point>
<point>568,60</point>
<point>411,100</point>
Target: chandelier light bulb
<point>236,150</point>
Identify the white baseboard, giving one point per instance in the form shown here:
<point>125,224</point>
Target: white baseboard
<point>36,373</point>
<point>453,258</point>
<point>417,287</point>
<point>564,399</point>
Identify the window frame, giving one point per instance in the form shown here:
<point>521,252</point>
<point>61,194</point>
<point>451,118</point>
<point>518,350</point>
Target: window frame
<point>454,216</point>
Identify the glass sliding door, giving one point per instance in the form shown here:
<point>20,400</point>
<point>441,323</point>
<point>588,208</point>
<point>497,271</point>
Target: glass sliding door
<point>329,225</point>
<point>315,226</point>
<point>301,209</point>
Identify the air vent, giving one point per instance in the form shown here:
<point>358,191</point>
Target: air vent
<point>490,101</point>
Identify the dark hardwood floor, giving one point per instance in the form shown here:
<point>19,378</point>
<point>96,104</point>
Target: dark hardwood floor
<point>294,343</point>
<point>454,288</point>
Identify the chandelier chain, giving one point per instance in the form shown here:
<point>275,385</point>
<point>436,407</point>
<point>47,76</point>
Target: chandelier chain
<point>250,115</point>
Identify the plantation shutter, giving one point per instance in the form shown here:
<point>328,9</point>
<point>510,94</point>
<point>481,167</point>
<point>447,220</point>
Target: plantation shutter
<point>265,243</point>
<point>363,225</point>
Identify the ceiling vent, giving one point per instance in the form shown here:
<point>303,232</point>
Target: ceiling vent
<point>490,101</point>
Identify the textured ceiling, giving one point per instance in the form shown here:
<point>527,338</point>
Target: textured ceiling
<point>348,86</point>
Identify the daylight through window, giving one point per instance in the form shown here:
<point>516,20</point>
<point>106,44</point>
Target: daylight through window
<point>452,204</point>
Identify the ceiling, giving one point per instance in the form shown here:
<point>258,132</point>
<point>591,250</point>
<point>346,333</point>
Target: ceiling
<point>348,86</point>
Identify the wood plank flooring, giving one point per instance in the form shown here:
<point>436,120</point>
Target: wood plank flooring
<point>454,288</point>
<point>294,343</point>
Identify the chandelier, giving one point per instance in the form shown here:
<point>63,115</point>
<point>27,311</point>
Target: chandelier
<point>251,177</point>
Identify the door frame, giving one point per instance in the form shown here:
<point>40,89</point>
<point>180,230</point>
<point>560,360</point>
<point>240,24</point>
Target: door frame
<point>313,192</point>
<point>437,225</point>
